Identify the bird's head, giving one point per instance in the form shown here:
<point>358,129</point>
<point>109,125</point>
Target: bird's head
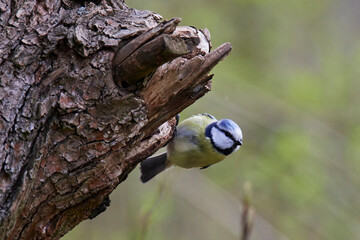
<point>225,135</point>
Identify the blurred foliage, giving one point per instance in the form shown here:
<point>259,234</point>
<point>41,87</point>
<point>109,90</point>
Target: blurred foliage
<point>291,83</point>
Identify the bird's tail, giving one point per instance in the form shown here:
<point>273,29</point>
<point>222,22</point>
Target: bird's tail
<point>152,166</point>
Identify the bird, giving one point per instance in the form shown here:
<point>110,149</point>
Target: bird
<point>198,142</point>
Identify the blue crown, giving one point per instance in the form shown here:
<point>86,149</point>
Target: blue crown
<point>227,124</point>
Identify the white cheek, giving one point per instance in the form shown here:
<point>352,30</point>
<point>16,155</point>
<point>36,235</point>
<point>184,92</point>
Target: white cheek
<point>220,140</point>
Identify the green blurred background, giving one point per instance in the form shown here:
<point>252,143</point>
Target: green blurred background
<point>292,84</point>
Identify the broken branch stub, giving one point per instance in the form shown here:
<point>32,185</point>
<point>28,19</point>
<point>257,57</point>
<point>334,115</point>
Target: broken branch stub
<point>147,58</point>
<point>141,56</point>
<point>179,83</point>
<point>164,27</point>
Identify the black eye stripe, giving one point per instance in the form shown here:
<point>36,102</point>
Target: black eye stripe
<point>226,151</point>
<point>226,134</point>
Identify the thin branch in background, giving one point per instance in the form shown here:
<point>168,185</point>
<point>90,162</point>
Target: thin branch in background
<point>223,207</point>
<point>248,213</point>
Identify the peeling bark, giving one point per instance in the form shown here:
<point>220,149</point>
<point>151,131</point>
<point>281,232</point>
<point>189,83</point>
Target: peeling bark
<point>70,129</point>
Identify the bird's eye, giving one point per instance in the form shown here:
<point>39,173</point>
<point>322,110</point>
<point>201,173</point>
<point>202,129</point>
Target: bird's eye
<point>227,134</point>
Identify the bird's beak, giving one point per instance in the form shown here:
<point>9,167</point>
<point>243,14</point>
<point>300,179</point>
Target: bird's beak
<point>239,143</point>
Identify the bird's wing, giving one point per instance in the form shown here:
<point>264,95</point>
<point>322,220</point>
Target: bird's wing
<point>209,116</point>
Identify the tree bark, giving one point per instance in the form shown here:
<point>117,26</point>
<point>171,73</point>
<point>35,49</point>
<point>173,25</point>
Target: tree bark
<point>88,90</point>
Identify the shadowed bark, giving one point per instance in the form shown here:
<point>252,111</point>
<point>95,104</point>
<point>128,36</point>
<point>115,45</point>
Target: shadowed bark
<point>88,90</point>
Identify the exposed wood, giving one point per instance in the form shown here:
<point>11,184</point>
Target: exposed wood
<point>178,84</point>
<point>68,134</point>
<point>150,56</point>
<point>123,53</point>
<point>165,27</point>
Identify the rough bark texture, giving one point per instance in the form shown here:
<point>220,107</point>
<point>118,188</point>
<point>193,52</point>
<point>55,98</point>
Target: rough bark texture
<point>87,91</point>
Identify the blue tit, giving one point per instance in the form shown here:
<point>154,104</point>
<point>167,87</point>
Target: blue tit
<point>199,141</point>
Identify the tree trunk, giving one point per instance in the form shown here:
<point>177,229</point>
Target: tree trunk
<point>88,90</point>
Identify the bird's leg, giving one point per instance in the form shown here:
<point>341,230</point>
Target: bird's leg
<point>177,117</point>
